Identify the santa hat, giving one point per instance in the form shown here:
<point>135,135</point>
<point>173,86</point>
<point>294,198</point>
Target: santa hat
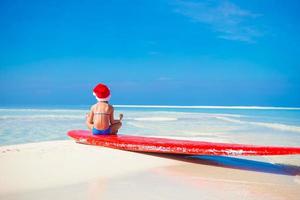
<point>101,92</point>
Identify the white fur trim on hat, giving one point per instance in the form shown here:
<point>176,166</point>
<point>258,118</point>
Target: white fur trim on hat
<point>102,99</point>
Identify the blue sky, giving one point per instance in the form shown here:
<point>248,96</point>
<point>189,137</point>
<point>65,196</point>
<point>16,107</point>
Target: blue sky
<point>166,52</point>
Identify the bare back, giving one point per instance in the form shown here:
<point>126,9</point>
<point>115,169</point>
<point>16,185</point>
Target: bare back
<point>101,115</point>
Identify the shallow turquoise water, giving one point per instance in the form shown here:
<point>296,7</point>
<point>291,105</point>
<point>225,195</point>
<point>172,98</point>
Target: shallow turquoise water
<point>252,126</point>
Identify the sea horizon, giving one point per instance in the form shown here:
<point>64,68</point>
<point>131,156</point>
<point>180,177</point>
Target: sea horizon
<point>84,106</point>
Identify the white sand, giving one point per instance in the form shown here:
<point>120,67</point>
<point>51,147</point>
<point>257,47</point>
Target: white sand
<point>67,170</point>
<point>50,164</point>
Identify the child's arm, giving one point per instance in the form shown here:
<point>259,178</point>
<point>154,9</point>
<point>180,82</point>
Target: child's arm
<point>89,119</point>
<point>112,119</point>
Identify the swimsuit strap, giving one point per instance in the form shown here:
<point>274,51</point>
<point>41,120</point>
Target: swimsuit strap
<point>101,113</point>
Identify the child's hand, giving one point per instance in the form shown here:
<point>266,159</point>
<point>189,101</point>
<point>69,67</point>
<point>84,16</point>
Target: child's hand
<point>121,116</point>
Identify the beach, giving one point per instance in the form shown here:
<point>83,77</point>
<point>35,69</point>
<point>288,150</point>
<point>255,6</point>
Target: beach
<point>39,161</point>
<point>210,88</point>
<point>68,170</point>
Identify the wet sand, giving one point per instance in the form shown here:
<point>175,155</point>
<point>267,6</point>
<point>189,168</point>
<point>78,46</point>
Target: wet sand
<point>67,170</point>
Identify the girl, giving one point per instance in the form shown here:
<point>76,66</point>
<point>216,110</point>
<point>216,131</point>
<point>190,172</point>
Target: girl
<point>101,117</point>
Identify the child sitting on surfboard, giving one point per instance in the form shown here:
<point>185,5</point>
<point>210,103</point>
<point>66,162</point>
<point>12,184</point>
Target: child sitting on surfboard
<point>101,117</point>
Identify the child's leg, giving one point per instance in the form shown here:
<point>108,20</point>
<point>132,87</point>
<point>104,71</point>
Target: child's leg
<point>115,127</point>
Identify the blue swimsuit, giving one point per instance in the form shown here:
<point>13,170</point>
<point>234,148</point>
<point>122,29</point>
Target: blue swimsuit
<point>101,132</point>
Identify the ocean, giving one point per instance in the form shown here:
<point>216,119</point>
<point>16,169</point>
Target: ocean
<point>246,125</point>
<point>249,125</point>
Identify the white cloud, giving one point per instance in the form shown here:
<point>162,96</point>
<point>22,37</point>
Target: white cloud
<point>228,20</point>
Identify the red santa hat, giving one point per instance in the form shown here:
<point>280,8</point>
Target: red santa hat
<point>101,92</point>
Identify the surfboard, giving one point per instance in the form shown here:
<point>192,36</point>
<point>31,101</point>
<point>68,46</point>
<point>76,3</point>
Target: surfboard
<point>175,146</point>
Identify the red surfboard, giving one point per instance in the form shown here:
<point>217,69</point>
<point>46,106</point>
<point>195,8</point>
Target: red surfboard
<point>174,146</point>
